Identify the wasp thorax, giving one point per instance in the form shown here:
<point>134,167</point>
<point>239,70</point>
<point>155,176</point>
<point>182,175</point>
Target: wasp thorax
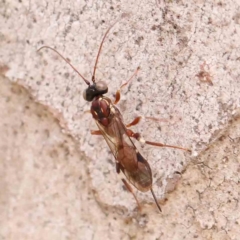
<point>95,90</point>
<point>101,110</point>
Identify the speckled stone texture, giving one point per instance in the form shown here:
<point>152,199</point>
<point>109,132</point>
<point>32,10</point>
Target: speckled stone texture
<point>46,190</point>
<point>58,181</point>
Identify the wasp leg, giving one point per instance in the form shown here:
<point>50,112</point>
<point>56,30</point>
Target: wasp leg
<point>119,168</point>
<point>96,132</point>
<point>129,188</point>
<point>139,118</point>
<point>134,122</point>
<point>138,137</point>
<point>118,93</point>
<point>87,111</point>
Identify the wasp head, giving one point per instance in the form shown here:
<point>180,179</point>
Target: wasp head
<point>94,90</point>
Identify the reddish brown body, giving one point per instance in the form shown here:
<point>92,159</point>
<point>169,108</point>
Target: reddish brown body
<point>100,110</point>
<point>128,159</point>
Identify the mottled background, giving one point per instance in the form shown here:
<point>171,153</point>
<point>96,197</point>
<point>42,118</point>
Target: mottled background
<point>58,181</point>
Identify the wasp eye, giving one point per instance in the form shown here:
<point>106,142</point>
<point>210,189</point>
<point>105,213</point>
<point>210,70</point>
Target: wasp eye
<point>89,94</point>
<point>94,90</point>
<point>101,86</point>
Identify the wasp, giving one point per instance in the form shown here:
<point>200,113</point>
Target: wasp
<point>118,135</point>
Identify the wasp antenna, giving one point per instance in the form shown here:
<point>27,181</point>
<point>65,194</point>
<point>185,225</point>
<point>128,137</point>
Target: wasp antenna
<point>100,48</point>
<point>85,80</point>
<point>154,196</point>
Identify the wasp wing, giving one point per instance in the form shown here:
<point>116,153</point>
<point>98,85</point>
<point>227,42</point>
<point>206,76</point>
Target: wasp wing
<point>130,161</point>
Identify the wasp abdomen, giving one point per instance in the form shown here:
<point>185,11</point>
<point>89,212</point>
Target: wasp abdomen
<point>100,110</point>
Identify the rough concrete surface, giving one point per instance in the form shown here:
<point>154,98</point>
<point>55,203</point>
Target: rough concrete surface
<point>60,183</point>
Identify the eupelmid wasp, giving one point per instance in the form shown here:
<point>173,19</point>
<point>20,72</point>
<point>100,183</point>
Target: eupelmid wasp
<point>117,134</point>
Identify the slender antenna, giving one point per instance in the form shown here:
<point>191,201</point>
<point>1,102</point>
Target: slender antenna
<point>85,80</point>
<point>100,48</point>
<point>156,200</point>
